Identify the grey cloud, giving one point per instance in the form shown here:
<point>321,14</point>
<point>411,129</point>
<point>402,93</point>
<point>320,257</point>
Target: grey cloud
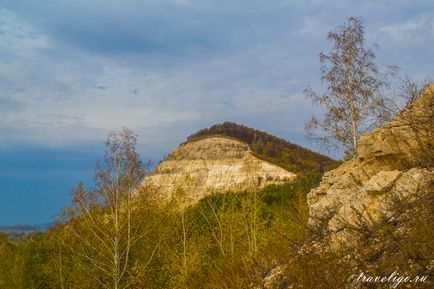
<point>167,68</point>
<point>7,104</point>
<point>158,27</point>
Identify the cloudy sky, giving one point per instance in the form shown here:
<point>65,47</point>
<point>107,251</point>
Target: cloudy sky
<point>73,70</point>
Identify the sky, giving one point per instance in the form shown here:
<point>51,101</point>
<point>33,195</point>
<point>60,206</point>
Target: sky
<point>71,71</point>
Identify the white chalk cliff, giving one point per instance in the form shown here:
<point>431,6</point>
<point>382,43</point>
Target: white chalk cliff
<point>213,164</point>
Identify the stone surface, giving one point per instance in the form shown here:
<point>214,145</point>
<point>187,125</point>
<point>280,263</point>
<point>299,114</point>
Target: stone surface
<point>381,182</point>
<point>197,168</point>
<point>394,161</point>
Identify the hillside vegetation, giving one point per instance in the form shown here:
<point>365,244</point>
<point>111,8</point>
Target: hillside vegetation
<point>275,150</point>
<point>227,240</point>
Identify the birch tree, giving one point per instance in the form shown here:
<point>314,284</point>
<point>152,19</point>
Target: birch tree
<point>354,101</point>
<point>104,223</point>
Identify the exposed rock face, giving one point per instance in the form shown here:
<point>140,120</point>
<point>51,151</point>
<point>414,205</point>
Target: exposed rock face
<point>213,164</point>
<point>394,161</point>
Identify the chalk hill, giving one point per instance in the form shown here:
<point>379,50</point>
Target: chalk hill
<point>229,157</point>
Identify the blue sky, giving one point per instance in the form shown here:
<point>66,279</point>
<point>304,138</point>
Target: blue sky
<point>73,70</point>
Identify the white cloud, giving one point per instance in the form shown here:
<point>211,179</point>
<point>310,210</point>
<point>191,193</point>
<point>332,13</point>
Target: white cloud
<point>18,37</point>
<point>420,28</point>
<point>312,27</point>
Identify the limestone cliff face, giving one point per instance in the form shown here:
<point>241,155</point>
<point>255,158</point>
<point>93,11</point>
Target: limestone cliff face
<point>394,161</point>
<point>200,167</point>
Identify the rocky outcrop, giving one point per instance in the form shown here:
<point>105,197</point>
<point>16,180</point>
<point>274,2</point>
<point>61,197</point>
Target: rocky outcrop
<point>197,168</point>
<point>394,162</point>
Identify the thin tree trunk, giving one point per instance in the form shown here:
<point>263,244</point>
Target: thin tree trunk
<point>353,117</point>
<point>60,268</point>
<point>354,132</point>
<point>184,244</point>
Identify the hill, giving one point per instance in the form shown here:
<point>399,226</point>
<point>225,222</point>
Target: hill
<point>273,149</point>
<point>213,163</point>
<point>18,231</point>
